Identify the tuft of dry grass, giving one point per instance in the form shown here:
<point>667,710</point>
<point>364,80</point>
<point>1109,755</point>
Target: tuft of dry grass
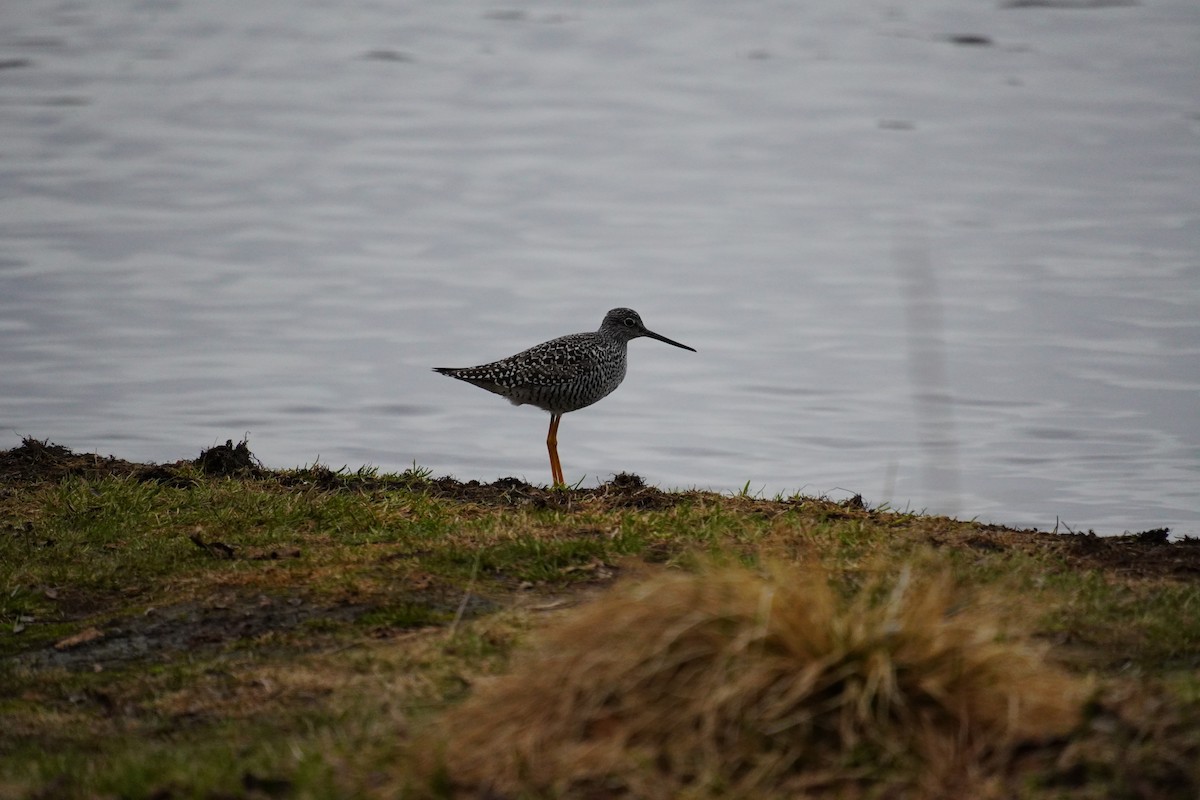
<point>730,684</point>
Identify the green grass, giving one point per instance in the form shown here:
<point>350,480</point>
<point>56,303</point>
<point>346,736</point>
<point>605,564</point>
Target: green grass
<point>292,634</point>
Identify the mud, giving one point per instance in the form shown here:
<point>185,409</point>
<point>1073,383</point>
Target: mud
<point>1148,554</point>
<point>159,634</point>
<point>228,622</point>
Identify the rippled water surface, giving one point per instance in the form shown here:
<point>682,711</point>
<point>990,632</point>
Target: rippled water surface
<point>943,254</point>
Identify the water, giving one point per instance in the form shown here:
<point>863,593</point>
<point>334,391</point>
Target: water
<point>950,276</point>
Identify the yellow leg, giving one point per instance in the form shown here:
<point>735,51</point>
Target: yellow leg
<point>552,446</point>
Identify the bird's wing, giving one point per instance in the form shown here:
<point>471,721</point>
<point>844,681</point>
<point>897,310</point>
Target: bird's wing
<point>551,363</point>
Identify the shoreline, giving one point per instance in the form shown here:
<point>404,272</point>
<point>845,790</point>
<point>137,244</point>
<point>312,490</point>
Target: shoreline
<point>212,627</point>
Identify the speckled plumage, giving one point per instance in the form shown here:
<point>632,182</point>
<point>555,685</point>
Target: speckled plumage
<point>564,374</point>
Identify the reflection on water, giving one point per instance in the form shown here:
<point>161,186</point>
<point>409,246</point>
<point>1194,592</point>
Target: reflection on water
<point>947,277</point>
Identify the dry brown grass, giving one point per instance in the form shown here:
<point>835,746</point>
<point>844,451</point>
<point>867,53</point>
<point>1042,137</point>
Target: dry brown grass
<point>729,684</point>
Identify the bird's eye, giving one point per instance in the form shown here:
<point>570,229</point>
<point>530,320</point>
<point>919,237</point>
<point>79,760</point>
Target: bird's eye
<point>629,322</point>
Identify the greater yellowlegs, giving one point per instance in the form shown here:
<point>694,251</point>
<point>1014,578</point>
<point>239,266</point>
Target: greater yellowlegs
<point>564,374</point>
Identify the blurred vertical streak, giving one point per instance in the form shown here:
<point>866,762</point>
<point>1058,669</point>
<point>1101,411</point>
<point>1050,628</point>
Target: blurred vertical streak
<point>933,401</point>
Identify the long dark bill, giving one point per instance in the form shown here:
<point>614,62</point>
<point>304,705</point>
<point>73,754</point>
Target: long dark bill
<point>662,338</point>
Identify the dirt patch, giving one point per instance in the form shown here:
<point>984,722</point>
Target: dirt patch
<point>160,633</point>
<point>1148,554</point>
<point>229,459</point>
<point>43,462</point>
<point>228,621</point>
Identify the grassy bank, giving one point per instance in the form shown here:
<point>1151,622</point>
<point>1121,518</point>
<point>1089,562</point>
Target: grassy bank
<point>216,629</point>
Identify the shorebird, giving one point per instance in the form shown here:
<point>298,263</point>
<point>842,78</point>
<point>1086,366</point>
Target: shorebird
<point>564,374</point>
